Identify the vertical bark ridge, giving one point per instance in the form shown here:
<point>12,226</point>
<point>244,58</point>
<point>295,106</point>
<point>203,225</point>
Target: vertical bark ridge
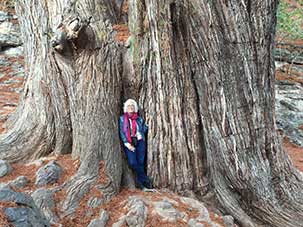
<point>94,99</point>
<point>168,99</point>
<point>30,132</point>
<point>237,112</point>
<point>72,93</point>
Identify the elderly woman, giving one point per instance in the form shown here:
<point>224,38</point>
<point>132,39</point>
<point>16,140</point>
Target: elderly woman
<point>132,132</point>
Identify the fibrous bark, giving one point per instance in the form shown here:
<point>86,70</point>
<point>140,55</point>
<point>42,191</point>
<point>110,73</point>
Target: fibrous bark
<point>204,75</point>
<point>71,98</point>
<point>208,93</point>
<point>168,97</point>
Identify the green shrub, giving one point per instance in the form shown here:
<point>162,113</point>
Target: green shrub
<point>290,20</point>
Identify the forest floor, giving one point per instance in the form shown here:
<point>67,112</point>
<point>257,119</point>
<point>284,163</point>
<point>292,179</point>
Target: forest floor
<point>289,75</point>
<point>116,207</point>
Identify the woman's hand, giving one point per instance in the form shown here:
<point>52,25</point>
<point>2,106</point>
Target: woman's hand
<point>130,147</point>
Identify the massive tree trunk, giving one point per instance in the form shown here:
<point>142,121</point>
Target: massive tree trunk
<point>72,94</point>
<point>204,75</point>
<point>208,92</point>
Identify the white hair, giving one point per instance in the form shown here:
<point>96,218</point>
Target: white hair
<point>130,102</point>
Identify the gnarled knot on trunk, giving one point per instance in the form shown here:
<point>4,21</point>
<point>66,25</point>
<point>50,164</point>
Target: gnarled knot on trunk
<point>67,32</point>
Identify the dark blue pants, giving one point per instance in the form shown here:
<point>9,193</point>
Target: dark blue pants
<point>136,161</point>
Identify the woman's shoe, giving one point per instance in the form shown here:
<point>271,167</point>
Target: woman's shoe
<point>140,186</point>
<point>148,185</point>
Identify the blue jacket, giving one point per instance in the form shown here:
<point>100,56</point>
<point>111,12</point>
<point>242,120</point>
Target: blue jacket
<point>141,127</point>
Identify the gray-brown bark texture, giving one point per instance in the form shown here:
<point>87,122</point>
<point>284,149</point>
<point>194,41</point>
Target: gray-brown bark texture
<point>204,76</point>
<point>207,90</point>
<point>72,94</point>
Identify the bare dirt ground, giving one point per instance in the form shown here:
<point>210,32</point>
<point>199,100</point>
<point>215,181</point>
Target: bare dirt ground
<point>84,214</point>
<point>11,84</point>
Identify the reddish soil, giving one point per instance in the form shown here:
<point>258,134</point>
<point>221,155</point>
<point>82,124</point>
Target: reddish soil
<point>286,73</point>
<point>83,215</point>
<point>295,153</point>
<point>284,39</point>
<point>3,219</point>
<point>9,85</point>
<point>116,208</point>
<point>20,169</point>
<point>68,165</point>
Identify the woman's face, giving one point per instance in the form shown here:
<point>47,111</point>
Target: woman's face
<point>131,108</point>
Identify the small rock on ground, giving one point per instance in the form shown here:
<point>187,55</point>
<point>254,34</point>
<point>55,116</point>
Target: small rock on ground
<point>5,168</point>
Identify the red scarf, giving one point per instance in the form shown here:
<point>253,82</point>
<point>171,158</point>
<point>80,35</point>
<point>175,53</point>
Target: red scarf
<point>126,128</point>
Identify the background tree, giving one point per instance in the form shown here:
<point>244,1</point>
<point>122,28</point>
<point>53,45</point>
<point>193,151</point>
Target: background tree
<point>203,72</point>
